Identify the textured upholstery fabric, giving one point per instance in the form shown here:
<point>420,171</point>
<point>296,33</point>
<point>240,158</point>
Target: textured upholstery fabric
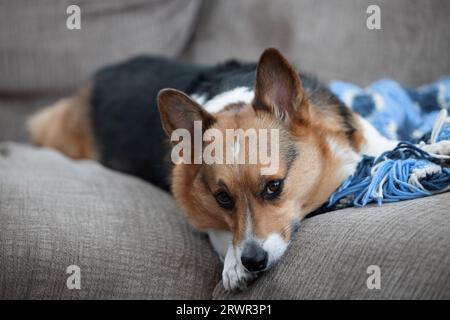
<point>409,241</point>
<point>38,52</point>
<point>127,237</point>
<point>330,38</point>
<point>131,242</point>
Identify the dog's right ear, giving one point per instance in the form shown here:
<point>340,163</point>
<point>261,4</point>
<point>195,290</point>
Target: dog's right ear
<point>179,111</point>
<point>278,88</point>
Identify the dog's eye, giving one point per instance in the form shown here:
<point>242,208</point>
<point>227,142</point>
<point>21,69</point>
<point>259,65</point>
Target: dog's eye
<point>224,200</point>
<point>272,189</point>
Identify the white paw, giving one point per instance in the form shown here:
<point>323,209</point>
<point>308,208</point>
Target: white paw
<point>441,148</point>
<point>235,276</point>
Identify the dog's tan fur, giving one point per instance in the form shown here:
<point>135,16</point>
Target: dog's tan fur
<point>320,144</point>
<point>65,126</point>
<point>313,175</point>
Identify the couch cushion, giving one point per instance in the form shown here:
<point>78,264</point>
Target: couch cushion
<point>127,237</point>
<point>408,241</point>
<point>330,38</point>
<point>38,51</point>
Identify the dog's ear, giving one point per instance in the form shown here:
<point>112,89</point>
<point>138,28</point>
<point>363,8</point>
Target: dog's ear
<point>179,111</point>
<point>278,88</point>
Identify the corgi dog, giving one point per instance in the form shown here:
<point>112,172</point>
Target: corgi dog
<point>122,117</point>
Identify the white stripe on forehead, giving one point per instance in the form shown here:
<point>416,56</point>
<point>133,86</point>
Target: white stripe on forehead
<point>248,224</point>
<point>248,235</point>
<point>220,101</point>
<point>236,150</point>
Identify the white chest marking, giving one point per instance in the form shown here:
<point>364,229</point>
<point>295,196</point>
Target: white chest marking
<point>349,158</point>
<point>375,144</point>
<point>219,102</point>
<point>220,241</point>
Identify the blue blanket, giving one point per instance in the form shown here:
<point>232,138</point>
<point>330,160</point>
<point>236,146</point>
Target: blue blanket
<point>412,116</point>
<point>397,112</point>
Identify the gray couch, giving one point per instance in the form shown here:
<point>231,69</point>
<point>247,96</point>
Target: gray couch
<point>128,238</point>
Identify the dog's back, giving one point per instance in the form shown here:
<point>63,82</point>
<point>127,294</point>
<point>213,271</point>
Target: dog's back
<point>114,119</point>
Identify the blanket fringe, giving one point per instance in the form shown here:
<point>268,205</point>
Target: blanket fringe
<point>404,173</point>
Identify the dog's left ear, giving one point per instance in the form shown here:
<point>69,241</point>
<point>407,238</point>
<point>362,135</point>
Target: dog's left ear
<point>278,88</point>
<point>179,111</point>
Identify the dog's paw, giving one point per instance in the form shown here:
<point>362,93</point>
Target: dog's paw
<point>234,276</point>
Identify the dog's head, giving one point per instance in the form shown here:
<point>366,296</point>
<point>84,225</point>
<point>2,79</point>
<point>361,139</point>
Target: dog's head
<point>261,209</point>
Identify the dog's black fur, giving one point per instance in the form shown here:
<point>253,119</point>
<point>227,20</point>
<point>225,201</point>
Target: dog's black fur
<point>124,115</point>
<point>125,119</point>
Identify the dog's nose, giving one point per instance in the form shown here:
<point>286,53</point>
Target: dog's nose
<point>253,257</point>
